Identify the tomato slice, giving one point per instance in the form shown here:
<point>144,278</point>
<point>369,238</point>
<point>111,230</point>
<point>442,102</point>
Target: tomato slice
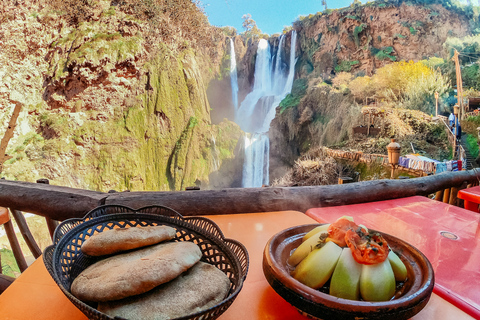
<point>337,230</point>
<point>367,248</point>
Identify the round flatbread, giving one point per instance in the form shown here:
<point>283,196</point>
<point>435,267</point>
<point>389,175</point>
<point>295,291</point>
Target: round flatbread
<point>201,287</point>
<point>135,272</point>
<point>123,239</point>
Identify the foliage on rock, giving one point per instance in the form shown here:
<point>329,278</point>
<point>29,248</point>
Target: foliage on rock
<point>118,100</point>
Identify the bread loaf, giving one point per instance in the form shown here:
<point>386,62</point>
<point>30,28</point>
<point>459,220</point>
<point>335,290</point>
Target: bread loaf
<point>135,272</point>
<point>201,287</point>
<point>122,239</point>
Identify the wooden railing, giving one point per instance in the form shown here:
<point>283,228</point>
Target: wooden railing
<point>60,203</point>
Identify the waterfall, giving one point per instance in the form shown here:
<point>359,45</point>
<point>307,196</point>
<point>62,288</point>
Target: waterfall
<point>215,155</point>
<point>257,148</point>
<point>233,76</point>
<point>271,84</point>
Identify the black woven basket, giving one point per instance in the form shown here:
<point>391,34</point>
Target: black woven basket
<point>64,259</point>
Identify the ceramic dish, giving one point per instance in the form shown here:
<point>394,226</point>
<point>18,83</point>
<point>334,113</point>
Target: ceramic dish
<point>408,300</point>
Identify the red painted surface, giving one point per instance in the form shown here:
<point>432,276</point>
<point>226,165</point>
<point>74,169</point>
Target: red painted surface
<point>421,222</point>
<point>471,196</point>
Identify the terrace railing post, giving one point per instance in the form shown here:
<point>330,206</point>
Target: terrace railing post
<point>453,196</point>
<point>27,235</point>
<point>446,195</point>
<point>51,224</point>
<point>12,238</point>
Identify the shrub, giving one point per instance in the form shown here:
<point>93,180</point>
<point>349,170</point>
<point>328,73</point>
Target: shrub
<point>168,21</point>
<point>420,92</point>
<point>383,54</point>
<point>357,31</point>
<point>411,83</point>
<point>345,66</point>
<point>472,145</point>
<point>469,46</point>
<point>361,88</point>
<point>299,90</point>
<point>342,80</point>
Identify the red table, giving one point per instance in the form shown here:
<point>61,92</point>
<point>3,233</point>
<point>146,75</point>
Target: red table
<point>449,236</point>
<point>471,197</point>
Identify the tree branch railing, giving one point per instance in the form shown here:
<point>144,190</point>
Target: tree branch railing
<point>60,203</point>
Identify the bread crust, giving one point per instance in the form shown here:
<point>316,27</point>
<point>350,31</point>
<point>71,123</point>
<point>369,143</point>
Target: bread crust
<point>123,239</point>
<point>201,287</point>
<point>135,272</point>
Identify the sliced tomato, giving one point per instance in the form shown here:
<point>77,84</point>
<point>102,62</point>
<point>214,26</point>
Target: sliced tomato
<point>367,248</point>
<point>337,230</point>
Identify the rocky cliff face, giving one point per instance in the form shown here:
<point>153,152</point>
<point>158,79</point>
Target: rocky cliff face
<point>357,39</point>
<point>364,38</point>
<point>102,108</point>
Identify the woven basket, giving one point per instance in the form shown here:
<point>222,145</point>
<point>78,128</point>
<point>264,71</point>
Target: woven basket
<point>64,259</point>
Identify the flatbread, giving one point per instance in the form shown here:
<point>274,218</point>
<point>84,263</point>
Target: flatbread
<point>122,239</point>
<point>135,272</point>
<point>201,287</point>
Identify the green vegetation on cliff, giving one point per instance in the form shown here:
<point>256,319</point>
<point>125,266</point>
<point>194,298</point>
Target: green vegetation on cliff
<point>124,103</point>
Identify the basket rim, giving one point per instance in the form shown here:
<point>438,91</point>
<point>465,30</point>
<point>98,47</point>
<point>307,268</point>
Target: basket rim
<point>76,225</point>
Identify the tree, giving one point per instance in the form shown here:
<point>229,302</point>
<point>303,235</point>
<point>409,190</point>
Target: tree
<point>250,26</point>
<point>248,23</point>
<point>356,3</point>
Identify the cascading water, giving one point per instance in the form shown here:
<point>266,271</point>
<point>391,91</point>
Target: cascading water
<point>233,76</point>
<point>215,154</point>
<point>272,83</point>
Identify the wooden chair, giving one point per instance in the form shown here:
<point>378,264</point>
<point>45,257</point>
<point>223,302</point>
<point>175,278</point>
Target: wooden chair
<point>5,281</point>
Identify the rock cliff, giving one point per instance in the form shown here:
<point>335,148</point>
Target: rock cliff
<point>364,38</point>
<point>104,106</point>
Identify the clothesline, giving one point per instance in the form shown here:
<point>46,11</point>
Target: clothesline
<point>429,165</point>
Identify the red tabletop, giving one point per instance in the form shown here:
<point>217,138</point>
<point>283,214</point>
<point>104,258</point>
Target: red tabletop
<point>471,197</point>
<point>449,236</point>
<point>34,294</point>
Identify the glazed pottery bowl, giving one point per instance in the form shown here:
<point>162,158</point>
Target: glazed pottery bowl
<point>409,298</point>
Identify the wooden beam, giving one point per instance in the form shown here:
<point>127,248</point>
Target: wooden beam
<point>9,133</point>
<point>54,202</point>
<point>230,201</point>
<point>17,251</point>
<point>51,224</point>
<point>27,235</point>
<point>61,203</point>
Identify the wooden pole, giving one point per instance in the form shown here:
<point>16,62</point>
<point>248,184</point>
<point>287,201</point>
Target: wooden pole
<point>446,195</point>
<point>27,235</point>
<point>453,196</point>
<point>17,251</point>
<point>458,73</point>
<point>51,224</point>
<point>9,133</point>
